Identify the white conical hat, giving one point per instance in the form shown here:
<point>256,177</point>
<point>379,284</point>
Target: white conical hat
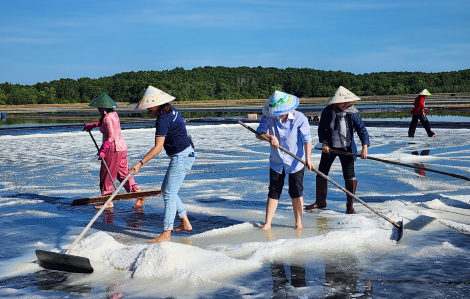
<point>153,97</point>
<point>425,92</point>
<point>280,103</point>
<point>342,95</point>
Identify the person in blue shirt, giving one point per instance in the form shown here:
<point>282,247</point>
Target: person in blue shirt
<point>338,122</point>
<point>286,127</point>
<point>172,136</point>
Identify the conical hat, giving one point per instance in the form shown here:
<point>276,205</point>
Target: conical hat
<point>153,97</point>
<point>425,92</point>
<point>342,95</point>
<point>103,101</point>
<point>280,103</point>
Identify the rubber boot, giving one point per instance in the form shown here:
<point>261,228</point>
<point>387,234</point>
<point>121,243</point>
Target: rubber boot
<point>351,186</point>
<point>321,192</point>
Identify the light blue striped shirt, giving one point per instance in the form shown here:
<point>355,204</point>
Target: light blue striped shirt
<point>292,135</point>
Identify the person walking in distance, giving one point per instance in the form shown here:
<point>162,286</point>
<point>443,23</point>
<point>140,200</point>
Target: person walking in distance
<point>419,112</point>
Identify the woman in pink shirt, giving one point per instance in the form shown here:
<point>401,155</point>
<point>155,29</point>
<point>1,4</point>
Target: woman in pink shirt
<point>113,150</point>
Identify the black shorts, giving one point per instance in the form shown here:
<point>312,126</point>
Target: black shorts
<point>276,183</point>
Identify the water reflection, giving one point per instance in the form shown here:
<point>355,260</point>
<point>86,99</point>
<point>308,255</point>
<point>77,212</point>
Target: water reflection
<point>18,121</point>
<point>282,288</point>
<point>341,278</point>
<point>135,220</point>
<point>420,165</point>
<point>108,216</point>
<point>341,272</point>
<point>113,291</point>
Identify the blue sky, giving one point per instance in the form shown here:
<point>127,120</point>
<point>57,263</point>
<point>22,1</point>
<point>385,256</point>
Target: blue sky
<point>47,40</point>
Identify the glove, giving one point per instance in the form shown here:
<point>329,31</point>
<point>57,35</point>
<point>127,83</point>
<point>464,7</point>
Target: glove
<point>103,149</point>
<point>89,127</point>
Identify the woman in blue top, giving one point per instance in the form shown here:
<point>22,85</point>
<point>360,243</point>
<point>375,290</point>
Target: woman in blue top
<point>172,136</point>
<point>338,122</point>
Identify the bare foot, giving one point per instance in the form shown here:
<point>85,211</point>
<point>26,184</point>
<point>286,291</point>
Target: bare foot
<point>266,227</point>
<point>184,226</point>
<point>110,206</point>
<point>299,226</point>
<point>164,237</point>
<point>139,203</point>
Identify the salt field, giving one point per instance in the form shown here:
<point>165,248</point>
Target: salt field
<point>226,255</point>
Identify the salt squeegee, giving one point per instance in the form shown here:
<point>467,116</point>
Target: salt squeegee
<point>72,263</point>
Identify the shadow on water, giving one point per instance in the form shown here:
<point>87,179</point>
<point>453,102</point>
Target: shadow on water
<point>139,224</point>
<point>227,203</point>
<point>47,199</point>
<point>419,223</point>
<point>45,280</point>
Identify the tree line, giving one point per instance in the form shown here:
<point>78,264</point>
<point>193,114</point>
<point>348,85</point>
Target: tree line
<point>217,83</point>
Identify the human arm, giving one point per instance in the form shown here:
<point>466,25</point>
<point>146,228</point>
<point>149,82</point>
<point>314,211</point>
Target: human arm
<point>109,135</point>
<point>151,154</point>
<point>421,103</point>
<point>263,129</point>
<point>323,128</point>
<point>325,148</point>
<point>362,133</point>
<point>272,139</point>
<point>89,127</point>
<point>111,125</point>
<point>306,137</point>
<point>364,151</point>
<point>308,153</point>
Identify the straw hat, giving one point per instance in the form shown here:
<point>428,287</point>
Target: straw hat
<point>103,101</point>
<point>280,103</point>
<point>153,97</point>
<point>425,92</point>
<point>342,95</point>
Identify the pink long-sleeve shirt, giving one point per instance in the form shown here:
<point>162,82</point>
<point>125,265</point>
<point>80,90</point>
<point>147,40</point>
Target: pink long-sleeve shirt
<point>111,130</point>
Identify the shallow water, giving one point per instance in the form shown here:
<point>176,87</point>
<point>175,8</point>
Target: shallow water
<point>335,256</point>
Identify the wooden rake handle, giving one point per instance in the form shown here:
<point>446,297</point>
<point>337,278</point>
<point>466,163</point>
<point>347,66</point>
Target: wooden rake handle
<point>325,177</point>
<point>103,161</point>
<point>105,205</point>
<point>398,163</point>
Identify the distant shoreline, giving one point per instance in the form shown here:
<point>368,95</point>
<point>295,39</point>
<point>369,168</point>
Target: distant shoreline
<point>452,98</point>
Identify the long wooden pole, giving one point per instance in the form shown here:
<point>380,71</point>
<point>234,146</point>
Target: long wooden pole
<point>401,164</point>
<point>400,227</point>
<point>103,161</point>
<point>105,205</point>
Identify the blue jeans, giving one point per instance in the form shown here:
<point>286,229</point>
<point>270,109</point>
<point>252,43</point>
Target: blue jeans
<point>180,163</point>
